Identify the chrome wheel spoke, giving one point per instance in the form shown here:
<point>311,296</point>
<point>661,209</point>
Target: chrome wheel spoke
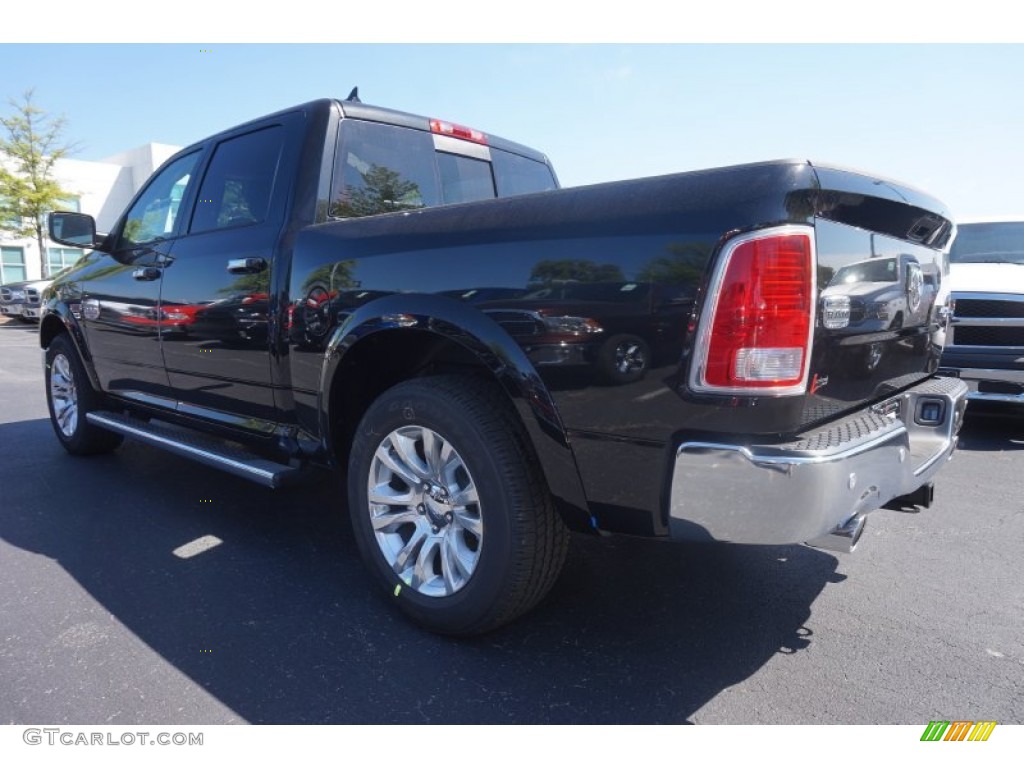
<point>404,446</point>
<point>389,522</point>
<point>423,571</point>
<point>397,467</point>
<point>385,494</point>
<point>433,444</point>
<point>459,561</point>
<point>64,417</point>
<point>451,569</point>
<point>409,551</point>
<point>63,395</point>
<point>469,522</point>
<point>465,496</point>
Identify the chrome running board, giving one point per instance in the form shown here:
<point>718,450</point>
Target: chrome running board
<point>205,450</point>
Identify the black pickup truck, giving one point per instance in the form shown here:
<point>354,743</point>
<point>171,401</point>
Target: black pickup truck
<point>493,361</point>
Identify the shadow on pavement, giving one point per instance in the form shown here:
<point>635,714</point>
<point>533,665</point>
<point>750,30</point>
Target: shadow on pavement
<point>992,427</point>
<point>280,623</point>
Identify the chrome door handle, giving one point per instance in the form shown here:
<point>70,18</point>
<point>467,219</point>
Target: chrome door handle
<point>147,274</point>
<point>246,266</point>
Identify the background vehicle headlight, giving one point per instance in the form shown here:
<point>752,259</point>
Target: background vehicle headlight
<point>877,310</point>
<point>574,325</point>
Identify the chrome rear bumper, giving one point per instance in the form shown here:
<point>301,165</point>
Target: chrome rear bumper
<point>818,487</point>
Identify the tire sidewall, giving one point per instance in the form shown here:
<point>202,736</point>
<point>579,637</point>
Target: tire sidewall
<point>417,405</point>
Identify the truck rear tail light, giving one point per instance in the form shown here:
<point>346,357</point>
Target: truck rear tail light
<point>458,131</point>
<point>756,333</point>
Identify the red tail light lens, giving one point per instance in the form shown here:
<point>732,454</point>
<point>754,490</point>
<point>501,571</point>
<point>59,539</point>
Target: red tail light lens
<point>458,131</point>
<point>758,336</point>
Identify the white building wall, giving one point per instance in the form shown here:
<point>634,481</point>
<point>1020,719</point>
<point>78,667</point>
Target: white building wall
<point>103,188</point>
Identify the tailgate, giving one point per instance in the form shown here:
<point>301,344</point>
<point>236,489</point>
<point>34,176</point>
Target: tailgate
<point>882,283</point>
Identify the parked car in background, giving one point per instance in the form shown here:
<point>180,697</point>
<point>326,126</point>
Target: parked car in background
<point>985,344</point>
<point>890,296</point>
<point>617,327</point>
<point>21,300</point>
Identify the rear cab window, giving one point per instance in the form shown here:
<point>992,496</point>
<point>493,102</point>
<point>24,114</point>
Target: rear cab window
<point>381,168</point>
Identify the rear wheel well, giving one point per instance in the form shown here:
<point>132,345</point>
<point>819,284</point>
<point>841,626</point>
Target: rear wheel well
<point>381,361</point>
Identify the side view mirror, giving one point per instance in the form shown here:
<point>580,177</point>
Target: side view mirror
<point>75,229</point>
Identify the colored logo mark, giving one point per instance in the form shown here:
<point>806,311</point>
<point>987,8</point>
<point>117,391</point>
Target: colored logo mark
<point>958,730</point>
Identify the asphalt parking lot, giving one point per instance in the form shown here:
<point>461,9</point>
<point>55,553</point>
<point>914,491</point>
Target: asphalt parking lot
<point>100,622</point>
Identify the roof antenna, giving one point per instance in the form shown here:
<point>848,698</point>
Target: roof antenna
<point>354,96</point>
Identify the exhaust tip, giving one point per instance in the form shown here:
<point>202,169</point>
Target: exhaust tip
<point>844,538</point>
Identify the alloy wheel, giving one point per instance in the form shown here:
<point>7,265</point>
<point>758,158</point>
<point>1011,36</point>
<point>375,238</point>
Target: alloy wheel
<point>64,394</point>
<point>425,511</point>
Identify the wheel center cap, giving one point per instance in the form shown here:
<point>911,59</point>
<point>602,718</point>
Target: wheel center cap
<point>440,497</point>
<point>438,494</point>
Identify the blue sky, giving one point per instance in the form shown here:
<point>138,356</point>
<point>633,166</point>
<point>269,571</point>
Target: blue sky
<point>945,118</point>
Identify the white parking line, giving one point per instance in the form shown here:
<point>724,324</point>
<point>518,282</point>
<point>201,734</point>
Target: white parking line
<point>197,547</point>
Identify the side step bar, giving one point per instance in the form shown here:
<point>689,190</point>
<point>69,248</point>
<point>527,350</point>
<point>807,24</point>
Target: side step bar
<point>199,448</point>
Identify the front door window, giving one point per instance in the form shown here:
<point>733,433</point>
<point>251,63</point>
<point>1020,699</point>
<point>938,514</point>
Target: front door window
<point>155,214</point>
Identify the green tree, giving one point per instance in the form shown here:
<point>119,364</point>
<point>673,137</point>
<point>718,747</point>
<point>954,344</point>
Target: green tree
<point>382,191</point>
<point>335,276</point>
<point>683,263</point>
<point>29,150</point>
<point>574,271</point>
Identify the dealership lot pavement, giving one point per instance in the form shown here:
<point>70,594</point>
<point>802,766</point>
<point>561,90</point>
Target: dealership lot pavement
<point>101,622</point>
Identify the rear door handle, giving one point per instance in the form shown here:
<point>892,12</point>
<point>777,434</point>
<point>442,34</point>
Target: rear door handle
<point>246,266</point>
<point>147,274</point>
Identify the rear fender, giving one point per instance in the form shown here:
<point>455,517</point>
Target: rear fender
<point>493,349</point>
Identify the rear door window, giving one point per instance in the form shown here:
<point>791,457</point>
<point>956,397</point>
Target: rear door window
<point>237,187</point>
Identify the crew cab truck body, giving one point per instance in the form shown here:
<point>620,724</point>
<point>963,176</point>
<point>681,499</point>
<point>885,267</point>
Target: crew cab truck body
<point>985,345</point>
<point>303,285</point>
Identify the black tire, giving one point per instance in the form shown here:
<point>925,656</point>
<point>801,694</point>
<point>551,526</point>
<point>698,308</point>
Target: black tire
<point>522,543</point>
<point>624,358</point>
<point>67,381</point>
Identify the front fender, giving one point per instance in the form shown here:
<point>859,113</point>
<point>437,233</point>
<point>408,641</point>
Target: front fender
<point>493,349</point>
<point>56,317</point>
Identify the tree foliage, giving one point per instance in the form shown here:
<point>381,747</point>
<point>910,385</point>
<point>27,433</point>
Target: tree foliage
<point>383,190</point>
<point>574,271</point>
<point>32,143</point>
<point>683,263</point>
